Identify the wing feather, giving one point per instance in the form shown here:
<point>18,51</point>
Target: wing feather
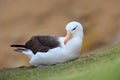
<point>42,43</point>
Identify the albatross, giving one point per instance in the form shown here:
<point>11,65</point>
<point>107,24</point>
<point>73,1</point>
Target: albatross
<point>50,50</point>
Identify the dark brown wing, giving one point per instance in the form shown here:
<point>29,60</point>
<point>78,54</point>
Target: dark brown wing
<point>42,43</point>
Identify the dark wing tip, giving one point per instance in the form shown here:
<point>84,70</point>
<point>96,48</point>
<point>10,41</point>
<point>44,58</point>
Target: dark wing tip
<point>12,45</point>
<point>18,46</point>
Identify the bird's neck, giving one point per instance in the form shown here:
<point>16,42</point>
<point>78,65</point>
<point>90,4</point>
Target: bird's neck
<point>75,43</point>
<point>78,35</point>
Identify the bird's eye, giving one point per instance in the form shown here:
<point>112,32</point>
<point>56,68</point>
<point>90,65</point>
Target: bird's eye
<point>74,28</point>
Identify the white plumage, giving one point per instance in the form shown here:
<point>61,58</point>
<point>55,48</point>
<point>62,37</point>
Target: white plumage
<point>69,48</point>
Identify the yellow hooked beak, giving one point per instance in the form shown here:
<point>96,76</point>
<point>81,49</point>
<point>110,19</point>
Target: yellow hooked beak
<point>68,37</point>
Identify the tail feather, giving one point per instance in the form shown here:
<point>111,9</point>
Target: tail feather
<point>20,50</point>
<point>26,52</point>
<point>23,50</point>
<point>18,46</point>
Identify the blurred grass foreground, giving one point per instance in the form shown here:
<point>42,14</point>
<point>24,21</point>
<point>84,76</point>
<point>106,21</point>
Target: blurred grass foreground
<point>21,19</point>
<point>99,65</point>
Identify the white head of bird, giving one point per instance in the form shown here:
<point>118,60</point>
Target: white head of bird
<point>74,29</point>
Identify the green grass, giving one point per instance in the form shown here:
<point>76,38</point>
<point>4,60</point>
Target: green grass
<point>100,65</point>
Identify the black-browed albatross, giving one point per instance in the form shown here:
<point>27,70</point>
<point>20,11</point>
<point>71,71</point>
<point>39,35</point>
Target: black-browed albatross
<point>48,50</point>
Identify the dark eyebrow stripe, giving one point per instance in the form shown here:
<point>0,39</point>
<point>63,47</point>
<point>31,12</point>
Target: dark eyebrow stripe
<point>74,28</point>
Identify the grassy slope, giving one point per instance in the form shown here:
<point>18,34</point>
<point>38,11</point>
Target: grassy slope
<point>105,65</point>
